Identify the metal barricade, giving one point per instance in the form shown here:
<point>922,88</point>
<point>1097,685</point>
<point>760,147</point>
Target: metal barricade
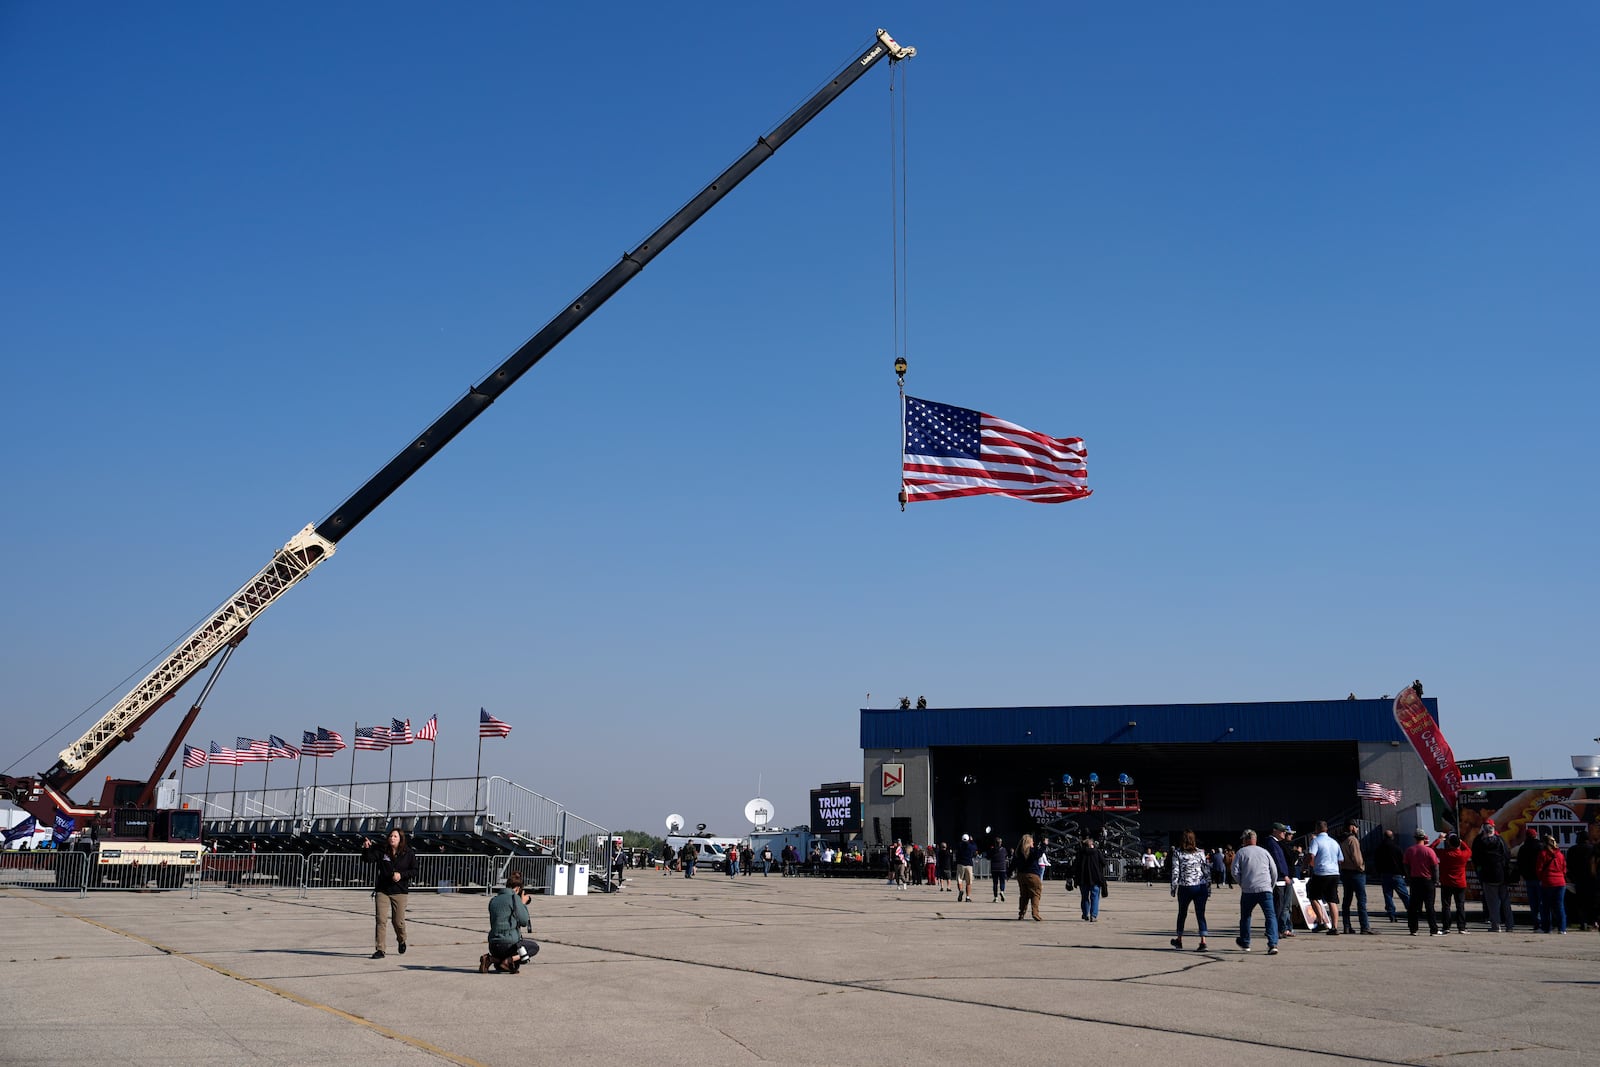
<point>451,873</point>
<point>535,870</point>
<point>337,870</point>
<point>255,871</point>
<point>45,869</point>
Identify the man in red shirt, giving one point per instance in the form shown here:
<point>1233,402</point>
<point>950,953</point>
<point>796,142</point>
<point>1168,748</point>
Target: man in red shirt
<point>1422,870</point>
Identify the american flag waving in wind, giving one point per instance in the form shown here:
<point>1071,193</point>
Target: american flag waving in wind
<point>949,452</point>
<point>194,757</point>
<point>429,730</point>
<point>489,726</point>
<point>1377,793</point>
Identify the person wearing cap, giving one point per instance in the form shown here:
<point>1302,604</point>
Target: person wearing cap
<point>966,856</point>
<point>1526,857</point>
<point>1552,868</point>
<point>1282,885</point>
<point>1252,871</point>
<point>1388,866</point>
<point>1422,870</point>
<point>1492,859</point>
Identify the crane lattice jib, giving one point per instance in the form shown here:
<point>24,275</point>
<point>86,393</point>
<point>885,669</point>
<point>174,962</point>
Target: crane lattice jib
<point>291,563</point>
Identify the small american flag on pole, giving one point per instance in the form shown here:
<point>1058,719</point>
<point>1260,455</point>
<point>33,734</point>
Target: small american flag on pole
<point>281,749</point>
<point>223,757</point>
<point>321,743</point>
<point>1377,793</point>
<point>372,738</point>
<point>251,751</point>
<point>400,732</point>
<point>194,757</point>
<point>429,730</point>
<point>489,726</point>
<point>949,452</point>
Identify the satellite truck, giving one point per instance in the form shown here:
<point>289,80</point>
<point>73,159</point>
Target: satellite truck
<point>129,832</point>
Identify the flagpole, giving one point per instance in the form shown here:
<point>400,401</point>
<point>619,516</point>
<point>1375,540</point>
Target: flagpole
<point>207,801</point>
<point>432,763</point>
<point>315,767</point>
<point>265,768</point>
<point>233,793</point>
<point>478,772</point>
<point>388,787</point>
<point>294,809</point>
<point>350,797</point>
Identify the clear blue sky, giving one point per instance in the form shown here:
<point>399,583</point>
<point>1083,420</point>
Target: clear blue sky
<point>1317,286</point>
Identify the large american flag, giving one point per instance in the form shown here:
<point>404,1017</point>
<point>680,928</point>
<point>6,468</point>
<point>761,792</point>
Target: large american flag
<point>223,757</point>
<point>430,729</point>
<point>321,743</point>
<point>251,751</point>
<point>950,452</point>
<point>1375,792</point>
<point>278,748</point>
<point>194,757</point>
<point>372,738</point>
<point>400,732</point>
<point>489,726</point>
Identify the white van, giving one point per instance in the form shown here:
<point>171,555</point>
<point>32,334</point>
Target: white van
<point>713,850</point>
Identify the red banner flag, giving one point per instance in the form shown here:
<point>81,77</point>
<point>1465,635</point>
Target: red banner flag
<point>1429,742</point>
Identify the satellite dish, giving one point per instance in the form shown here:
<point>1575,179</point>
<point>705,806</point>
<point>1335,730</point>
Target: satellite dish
<point>758,812</point>
<point>674,823</point>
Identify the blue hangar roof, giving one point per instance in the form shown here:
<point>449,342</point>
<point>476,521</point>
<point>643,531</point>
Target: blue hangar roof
<point>1136,724</point>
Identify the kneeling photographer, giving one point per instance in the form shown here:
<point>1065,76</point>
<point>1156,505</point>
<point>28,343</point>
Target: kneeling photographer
<point>508,917</point>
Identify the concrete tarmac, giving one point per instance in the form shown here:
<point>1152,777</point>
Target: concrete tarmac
<point>765,969</point>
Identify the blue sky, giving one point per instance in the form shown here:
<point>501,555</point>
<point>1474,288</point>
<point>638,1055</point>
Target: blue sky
<point>1316,286</point>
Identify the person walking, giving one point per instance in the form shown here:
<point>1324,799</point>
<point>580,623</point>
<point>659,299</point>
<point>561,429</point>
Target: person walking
<point>999,860</point>
<point>1325,855</point>
<point>1191,884</point>
<point>1252,871</point>
<point>1453,856</point>
<point>1089,871</point>
<point>1422,870</point>
<point>947,866</point>
<point>1388,866</point>
<point>1492,858</point>
<point>391,887</point>
<point>1282,883</point>
<point>966,856</point>
<point>1030,888</point>
<point>688,858</point>
<point>1353,879</point>
<point>930,855</point>
<point>1552,870</point>
<point>766,861</point>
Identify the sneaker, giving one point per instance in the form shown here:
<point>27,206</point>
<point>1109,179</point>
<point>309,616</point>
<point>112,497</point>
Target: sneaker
<point>1002,898</point>
<point>402,946</point>
<point>1244,946</point>
<point>378,955</point>
<point>1176,942</point>
<point>1272,950</point>
<point>1201,947</point>
<point>483,963</point>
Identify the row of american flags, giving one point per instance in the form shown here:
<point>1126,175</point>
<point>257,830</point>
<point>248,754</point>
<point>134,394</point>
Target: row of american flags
<point>324,742</point>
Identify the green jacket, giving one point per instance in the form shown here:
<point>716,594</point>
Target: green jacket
<point>508,916</point>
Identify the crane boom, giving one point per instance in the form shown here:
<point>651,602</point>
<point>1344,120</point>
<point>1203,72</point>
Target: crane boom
<point>295,560</point>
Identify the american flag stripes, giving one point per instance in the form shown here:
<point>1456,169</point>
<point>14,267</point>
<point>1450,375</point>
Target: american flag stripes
<point>1375,792</point>
<point>950,452</point>
<point>223,757</point>
<point>321,743</point>
<point>372,738</point>
<point>251,751</point>
<point>278,748</point>
<point>489,726</point>
<point>400,732</point>
<point>430,729</point>
<point>194,757</point>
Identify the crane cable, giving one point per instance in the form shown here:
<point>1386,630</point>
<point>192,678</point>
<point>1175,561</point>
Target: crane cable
<point>898,256</point>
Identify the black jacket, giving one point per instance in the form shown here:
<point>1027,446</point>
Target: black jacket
<point>1491,857</point>
<point>1089,868</point>
<point>388,866</point>
<point>1388,858</point>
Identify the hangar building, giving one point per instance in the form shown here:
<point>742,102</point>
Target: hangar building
<point>932,774</point>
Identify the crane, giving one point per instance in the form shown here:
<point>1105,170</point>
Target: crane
<point>47,793</point>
